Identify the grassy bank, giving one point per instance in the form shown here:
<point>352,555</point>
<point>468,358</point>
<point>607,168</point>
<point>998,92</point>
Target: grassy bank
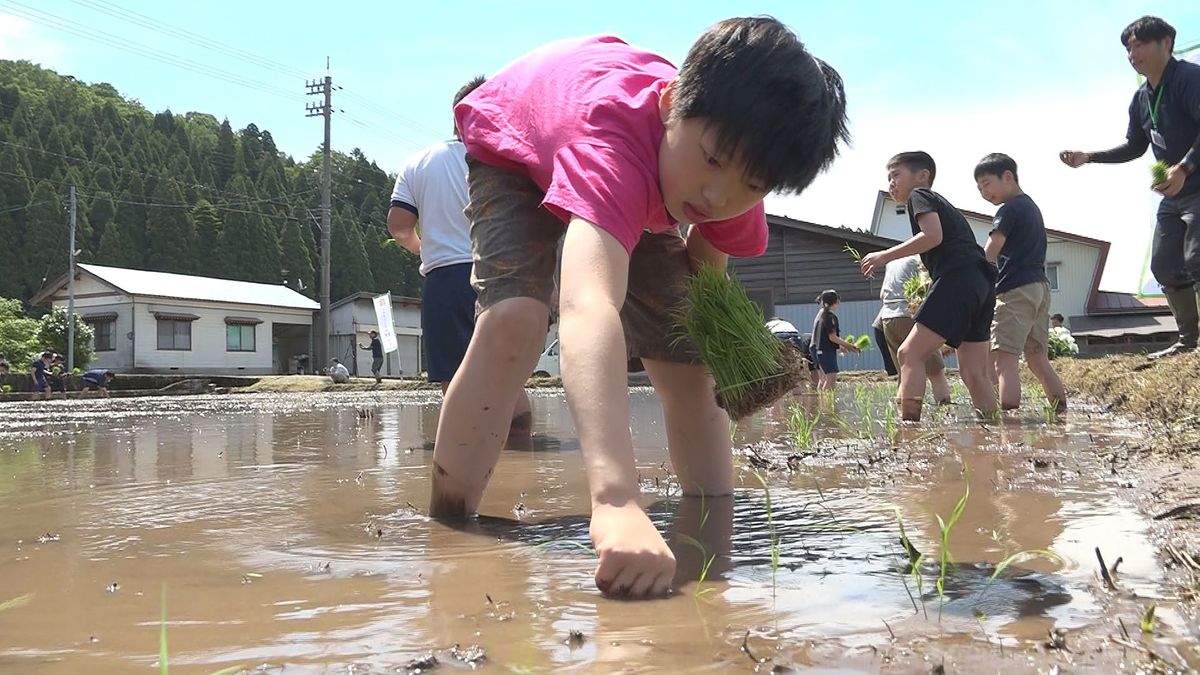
<point>1166,391</point>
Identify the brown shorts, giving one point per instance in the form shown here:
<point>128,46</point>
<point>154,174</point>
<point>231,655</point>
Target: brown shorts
<point>1022,322</point>
<point>515,247</point>
<point>898,328</point>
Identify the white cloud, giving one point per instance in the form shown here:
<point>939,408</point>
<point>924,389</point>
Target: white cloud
<point>1109,202</point>
<point>21,40</point>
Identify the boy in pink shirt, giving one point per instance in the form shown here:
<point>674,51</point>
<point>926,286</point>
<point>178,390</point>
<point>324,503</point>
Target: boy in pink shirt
<point>610,149</point>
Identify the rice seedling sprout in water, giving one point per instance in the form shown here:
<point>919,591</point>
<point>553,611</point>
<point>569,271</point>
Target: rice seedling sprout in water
<point>801,426</point>
<point>770,528</point>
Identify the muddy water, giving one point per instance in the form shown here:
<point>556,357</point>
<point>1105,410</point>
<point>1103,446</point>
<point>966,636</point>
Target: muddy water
<point>286,533</point>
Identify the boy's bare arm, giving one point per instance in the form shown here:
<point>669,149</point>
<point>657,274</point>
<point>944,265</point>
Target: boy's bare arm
<point>633,558</point>
<point>701,251</point>
<point>994,244</point>
<point>929,237</point>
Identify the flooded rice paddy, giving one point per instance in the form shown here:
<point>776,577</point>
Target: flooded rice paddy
<point>286,533</point>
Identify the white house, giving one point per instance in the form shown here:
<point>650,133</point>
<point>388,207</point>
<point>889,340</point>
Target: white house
<point>1074,263</point>
<point>156,322</point>
<point>354,315</point>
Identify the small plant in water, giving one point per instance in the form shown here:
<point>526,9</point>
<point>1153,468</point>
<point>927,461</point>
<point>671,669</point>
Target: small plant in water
<point>770,528</point>
<point>891,424</point>
<point>1148,620</point>
<point>801,426</point>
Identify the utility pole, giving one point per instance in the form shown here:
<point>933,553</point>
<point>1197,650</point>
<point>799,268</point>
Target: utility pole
<point>323,87</point>
<point>71,288</point>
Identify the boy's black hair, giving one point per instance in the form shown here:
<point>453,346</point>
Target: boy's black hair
<point>1060,317</point>
<point>828,297</point>
<point>1148,29</point>
<point>996,164</point>
<point>914,161</point>
<point>462,93</point>
<point>774,106</point>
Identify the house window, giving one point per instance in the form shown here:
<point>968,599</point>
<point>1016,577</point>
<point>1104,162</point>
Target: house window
<point>1052,275</point>
<point>239,337</point>
<point>102,330</point>
<point>175,334</point>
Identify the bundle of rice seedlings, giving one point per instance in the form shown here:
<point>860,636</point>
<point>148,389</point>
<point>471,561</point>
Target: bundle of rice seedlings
<point>916,288</point>
<point>751,367</point>
<point>1158,172</point>
<point>862,341</point>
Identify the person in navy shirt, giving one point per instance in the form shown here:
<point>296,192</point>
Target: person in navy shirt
<point>98,379</point>
<point>1017,244</point>
<point>1165,117</point>
<point>376,348</point>
<point>39,375</point>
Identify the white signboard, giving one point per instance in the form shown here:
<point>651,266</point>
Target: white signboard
<point>383,317</point>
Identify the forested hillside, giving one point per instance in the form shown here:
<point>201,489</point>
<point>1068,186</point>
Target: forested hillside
<point>178,193</point>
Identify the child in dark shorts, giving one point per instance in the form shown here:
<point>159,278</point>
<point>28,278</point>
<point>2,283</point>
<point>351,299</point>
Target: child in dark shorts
<point>959,306</point>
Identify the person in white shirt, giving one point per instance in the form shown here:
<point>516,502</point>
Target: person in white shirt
<point>898,321</point>
<point>431,189</point>
<point>338,373</point>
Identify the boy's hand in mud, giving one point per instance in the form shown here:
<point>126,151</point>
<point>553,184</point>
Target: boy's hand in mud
<point>635,561</point>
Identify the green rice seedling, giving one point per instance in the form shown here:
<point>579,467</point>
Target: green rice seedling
<point>707,559</point>
<point>162,635</point>
<point>732,431</point>
<point>801,426</point>
<point>770,528</point>
<point>852,251</point>
<point>1049,411</point>
<point>1014,558</point>
<point>945,527</point>
<point>1158,172</point>
<point>1148,620</point>
<point>747,362</point>
<point>916,288</point>
<point>19,601</point>
<point>891,424</point>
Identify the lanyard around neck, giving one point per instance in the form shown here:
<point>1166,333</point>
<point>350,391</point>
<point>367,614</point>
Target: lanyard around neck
<point>1154,108</point>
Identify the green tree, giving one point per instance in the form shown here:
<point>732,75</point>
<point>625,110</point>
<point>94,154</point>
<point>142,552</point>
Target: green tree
<point>208,236</point>
<point>45,246</point>
<point>101,210</point>
<point>249,241</point>
<point>223,156</point>
<point>19,334</point>
<point>350,269</point>
<point>52,334</point>
<point>297,262</point>
<point>170,232</point>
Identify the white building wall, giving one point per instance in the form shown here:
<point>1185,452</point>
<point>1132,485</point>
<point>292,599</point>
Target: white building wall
<point>208,353</point>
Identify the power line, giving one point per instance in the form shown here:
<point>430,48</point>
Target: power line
<point>137,18</point>
<point>123,43</point>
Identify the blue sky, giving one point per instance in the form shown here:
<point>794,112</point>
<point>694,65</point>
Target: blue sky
<point>957,79</point>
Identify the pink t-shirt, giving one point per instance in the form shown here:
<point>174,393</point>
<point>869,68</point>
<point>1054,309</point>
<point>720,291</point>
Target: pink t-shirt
<point>581,119</point>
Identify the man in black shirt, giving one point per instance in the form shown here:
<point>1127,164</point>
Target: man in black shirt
<point>1165,116</point>
<point>376,348</point>
<point>959,306</point>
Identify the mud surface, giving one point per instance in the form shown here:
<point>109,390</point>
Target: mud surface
<point>286,533</point>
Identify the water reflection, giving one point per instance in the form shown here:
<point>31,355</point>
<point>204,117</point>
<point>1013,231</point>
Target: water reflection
<point>290,530</point>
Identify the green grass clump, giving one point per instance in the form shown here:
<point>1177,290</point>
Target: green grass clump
<point>801,425</point>
<point>730,332</point>
<point>1158,172</point>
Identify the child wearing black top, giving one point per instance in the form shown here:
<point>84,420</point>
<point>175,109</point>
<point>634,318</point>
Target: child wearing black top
<point>959,307</point>
<point>827,340</point>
